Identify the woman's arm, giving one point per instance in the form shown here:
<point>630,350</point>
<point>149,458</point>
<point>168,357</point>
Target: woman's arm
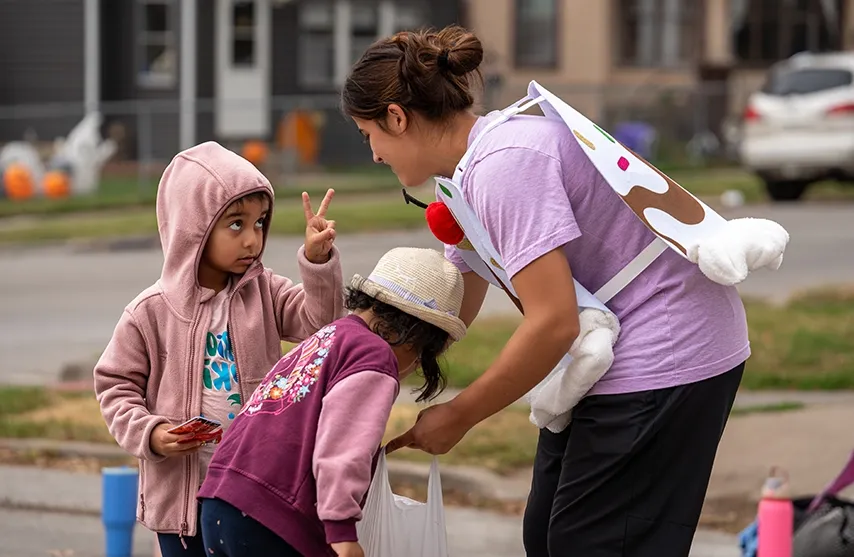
<point>548,329</point>
<point>473,296</point>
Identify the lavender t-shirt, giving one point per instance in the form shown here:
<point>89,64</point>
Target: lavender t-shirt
<point>534,190</point>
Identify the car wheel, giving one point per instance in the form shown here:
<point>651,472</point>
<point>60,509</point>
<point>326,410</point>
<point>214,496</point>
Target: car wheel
<point>786,191</point>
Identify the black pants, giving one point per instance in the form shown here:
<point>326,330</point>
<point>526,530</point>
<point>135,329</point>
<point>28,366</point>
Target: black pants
<point>171,545</point>
<point>228,532</point>
<point>629,475</point>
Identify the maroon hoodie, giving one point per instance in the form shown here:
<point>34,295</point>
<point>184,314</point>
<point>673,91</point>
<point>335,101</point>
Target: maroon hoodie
<point>299,456</point>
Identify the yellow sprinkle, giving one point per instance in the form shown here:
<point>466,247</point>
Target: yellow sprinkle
<point>584,139</point>
<point>466,245</point>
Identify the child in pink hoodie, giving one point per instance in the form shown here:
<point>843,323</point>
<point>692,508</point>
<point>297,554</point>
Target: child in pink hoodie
<point>200,339</point>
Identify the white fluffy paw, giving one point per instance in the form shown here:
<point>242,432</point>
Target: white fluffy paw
<point>590,356</point>
<point>740,247</point>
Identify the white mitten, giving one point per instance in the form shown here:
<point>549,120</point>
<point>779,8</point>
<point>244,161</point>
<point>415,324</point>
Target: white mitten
<point>740,247</point>
<point>589,358</point>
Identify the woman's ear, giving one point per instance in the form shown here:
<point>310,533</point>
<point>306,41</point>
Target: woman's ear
<point>396,119</point>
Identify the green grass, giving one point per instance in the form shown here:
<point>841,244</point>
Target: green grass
<point>35,412</point>
<point>123,193</point>
<point>712,182</point>
<point>767,408</point>
<point>19,400</point>
<point>805,345</point>
<point>352,214</point>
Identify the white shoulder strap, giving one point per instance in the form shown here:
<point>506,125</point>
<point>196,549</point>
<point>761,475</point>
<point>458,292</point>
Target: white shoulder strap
<point>518,107</point>
<point>628,273</point>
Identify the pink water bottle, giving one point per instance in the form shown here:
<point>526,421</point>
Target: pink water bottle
<point>776,517</point>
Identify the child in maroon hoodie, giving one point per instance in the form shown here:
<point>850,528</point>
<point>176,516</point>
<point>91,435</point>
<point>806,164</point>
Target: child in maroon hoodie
<point>292,472</point>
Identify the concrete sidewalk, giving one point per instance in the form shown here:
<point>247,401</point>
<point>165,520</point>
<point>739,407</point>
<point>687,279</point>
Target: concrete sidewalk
<point>44,510</point>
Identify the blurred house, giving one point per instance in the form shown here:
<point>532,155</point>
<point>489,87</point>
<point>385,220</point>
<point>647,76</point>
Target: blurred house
<point>216,66</point>
<point>605,55</point>
<point>171,73</point>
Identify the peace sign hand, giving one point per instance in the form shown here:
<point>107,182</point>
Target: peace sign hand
<point>319,232</point>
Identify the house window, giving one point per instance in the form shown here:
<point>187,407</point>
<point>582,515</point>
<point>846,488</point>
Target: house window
<point>243,25</point>
<point>536,40</point>
<point>156,44</point>
<point>658,33</point>
<point>765,31</point>
<point>316,44</point>
<point>364,31</point>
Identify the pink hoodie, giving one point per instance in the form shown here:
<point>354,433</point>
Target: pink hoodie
<point>151,371</point>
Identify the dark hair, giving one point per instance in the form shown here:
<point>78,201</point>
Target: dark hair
<point>428,72</point>
<point>398,328</point>
<point>254,196</point>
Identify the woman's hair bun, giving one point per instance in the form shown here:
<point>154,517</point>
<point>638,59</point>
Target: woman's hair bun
<point>430,72</point>
<point>463,49</point>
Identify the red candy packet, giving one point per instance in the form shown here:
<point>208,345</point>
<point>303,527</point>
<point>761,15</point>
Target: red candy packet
<point>197,426</point>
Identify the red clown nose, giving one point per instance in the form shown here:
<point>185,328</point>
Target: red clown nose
<point>443,225</point>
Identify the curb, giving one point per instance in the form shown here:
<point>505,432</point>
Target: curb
<point>9,504</point>
<point>472,481</point>
<point>64,448</point>
<point>116,244</point>
<point>112,244</point>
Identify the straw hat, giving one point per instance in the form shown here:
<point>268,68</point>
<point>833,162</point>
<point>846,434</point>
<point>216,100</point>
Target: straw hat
<point>420,282</point>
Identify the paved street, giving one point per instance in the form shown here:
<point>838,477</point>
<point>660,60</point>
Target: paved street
<point>59,304</point>
<point>471,533</point>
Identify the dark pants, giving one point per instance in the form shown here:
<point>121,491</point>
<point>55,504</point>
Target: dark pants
<point>171,546</point>
<point>230,533</point>
<point>629,475</point>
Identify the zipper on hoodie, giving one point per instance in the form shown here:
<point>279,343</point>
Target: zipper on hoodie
<point>232,339</point>
<point>188,410</point>
<point>234,353</point>
<point>141,506</point>
<point>184,528</point>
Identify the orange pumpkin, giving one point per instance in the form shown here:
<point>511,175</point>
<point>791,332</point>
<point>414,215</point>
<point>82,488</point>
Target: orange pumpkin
<point>255,152</point>
<point>18,182</point>
<point>56,184</point>
<point>299,131</point>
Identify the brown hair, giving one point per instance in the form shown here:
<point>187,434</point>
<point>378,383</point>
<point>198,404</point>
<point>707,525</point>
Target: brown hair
<point>428,72</point>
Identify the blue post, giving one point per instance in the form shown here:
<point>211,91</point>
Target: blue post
<point>120,488</point>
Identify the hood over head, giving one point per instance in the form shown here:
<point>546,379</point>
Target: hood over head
<point>194,191</point>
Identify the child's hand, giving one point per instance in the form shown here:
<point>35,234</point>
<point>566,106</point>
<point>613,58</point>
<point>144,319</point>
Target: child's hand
<point>348,549</point>
<point>319,232</point>
<point>170,445</point>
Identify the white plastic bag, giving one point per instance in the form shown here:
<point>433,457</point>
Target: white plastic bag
<point>397,526</point>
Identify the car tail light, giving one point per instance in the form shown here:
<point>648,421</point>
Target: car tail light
<point>751,114</point>
<point>841,110</point>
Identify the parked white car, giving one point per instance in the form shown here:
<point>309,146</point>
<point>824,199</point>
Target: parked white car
<point>799,128</point>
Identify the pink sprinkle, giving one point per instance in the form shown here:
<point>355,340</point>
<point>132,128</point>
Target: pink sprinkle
<point>623,163</point>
